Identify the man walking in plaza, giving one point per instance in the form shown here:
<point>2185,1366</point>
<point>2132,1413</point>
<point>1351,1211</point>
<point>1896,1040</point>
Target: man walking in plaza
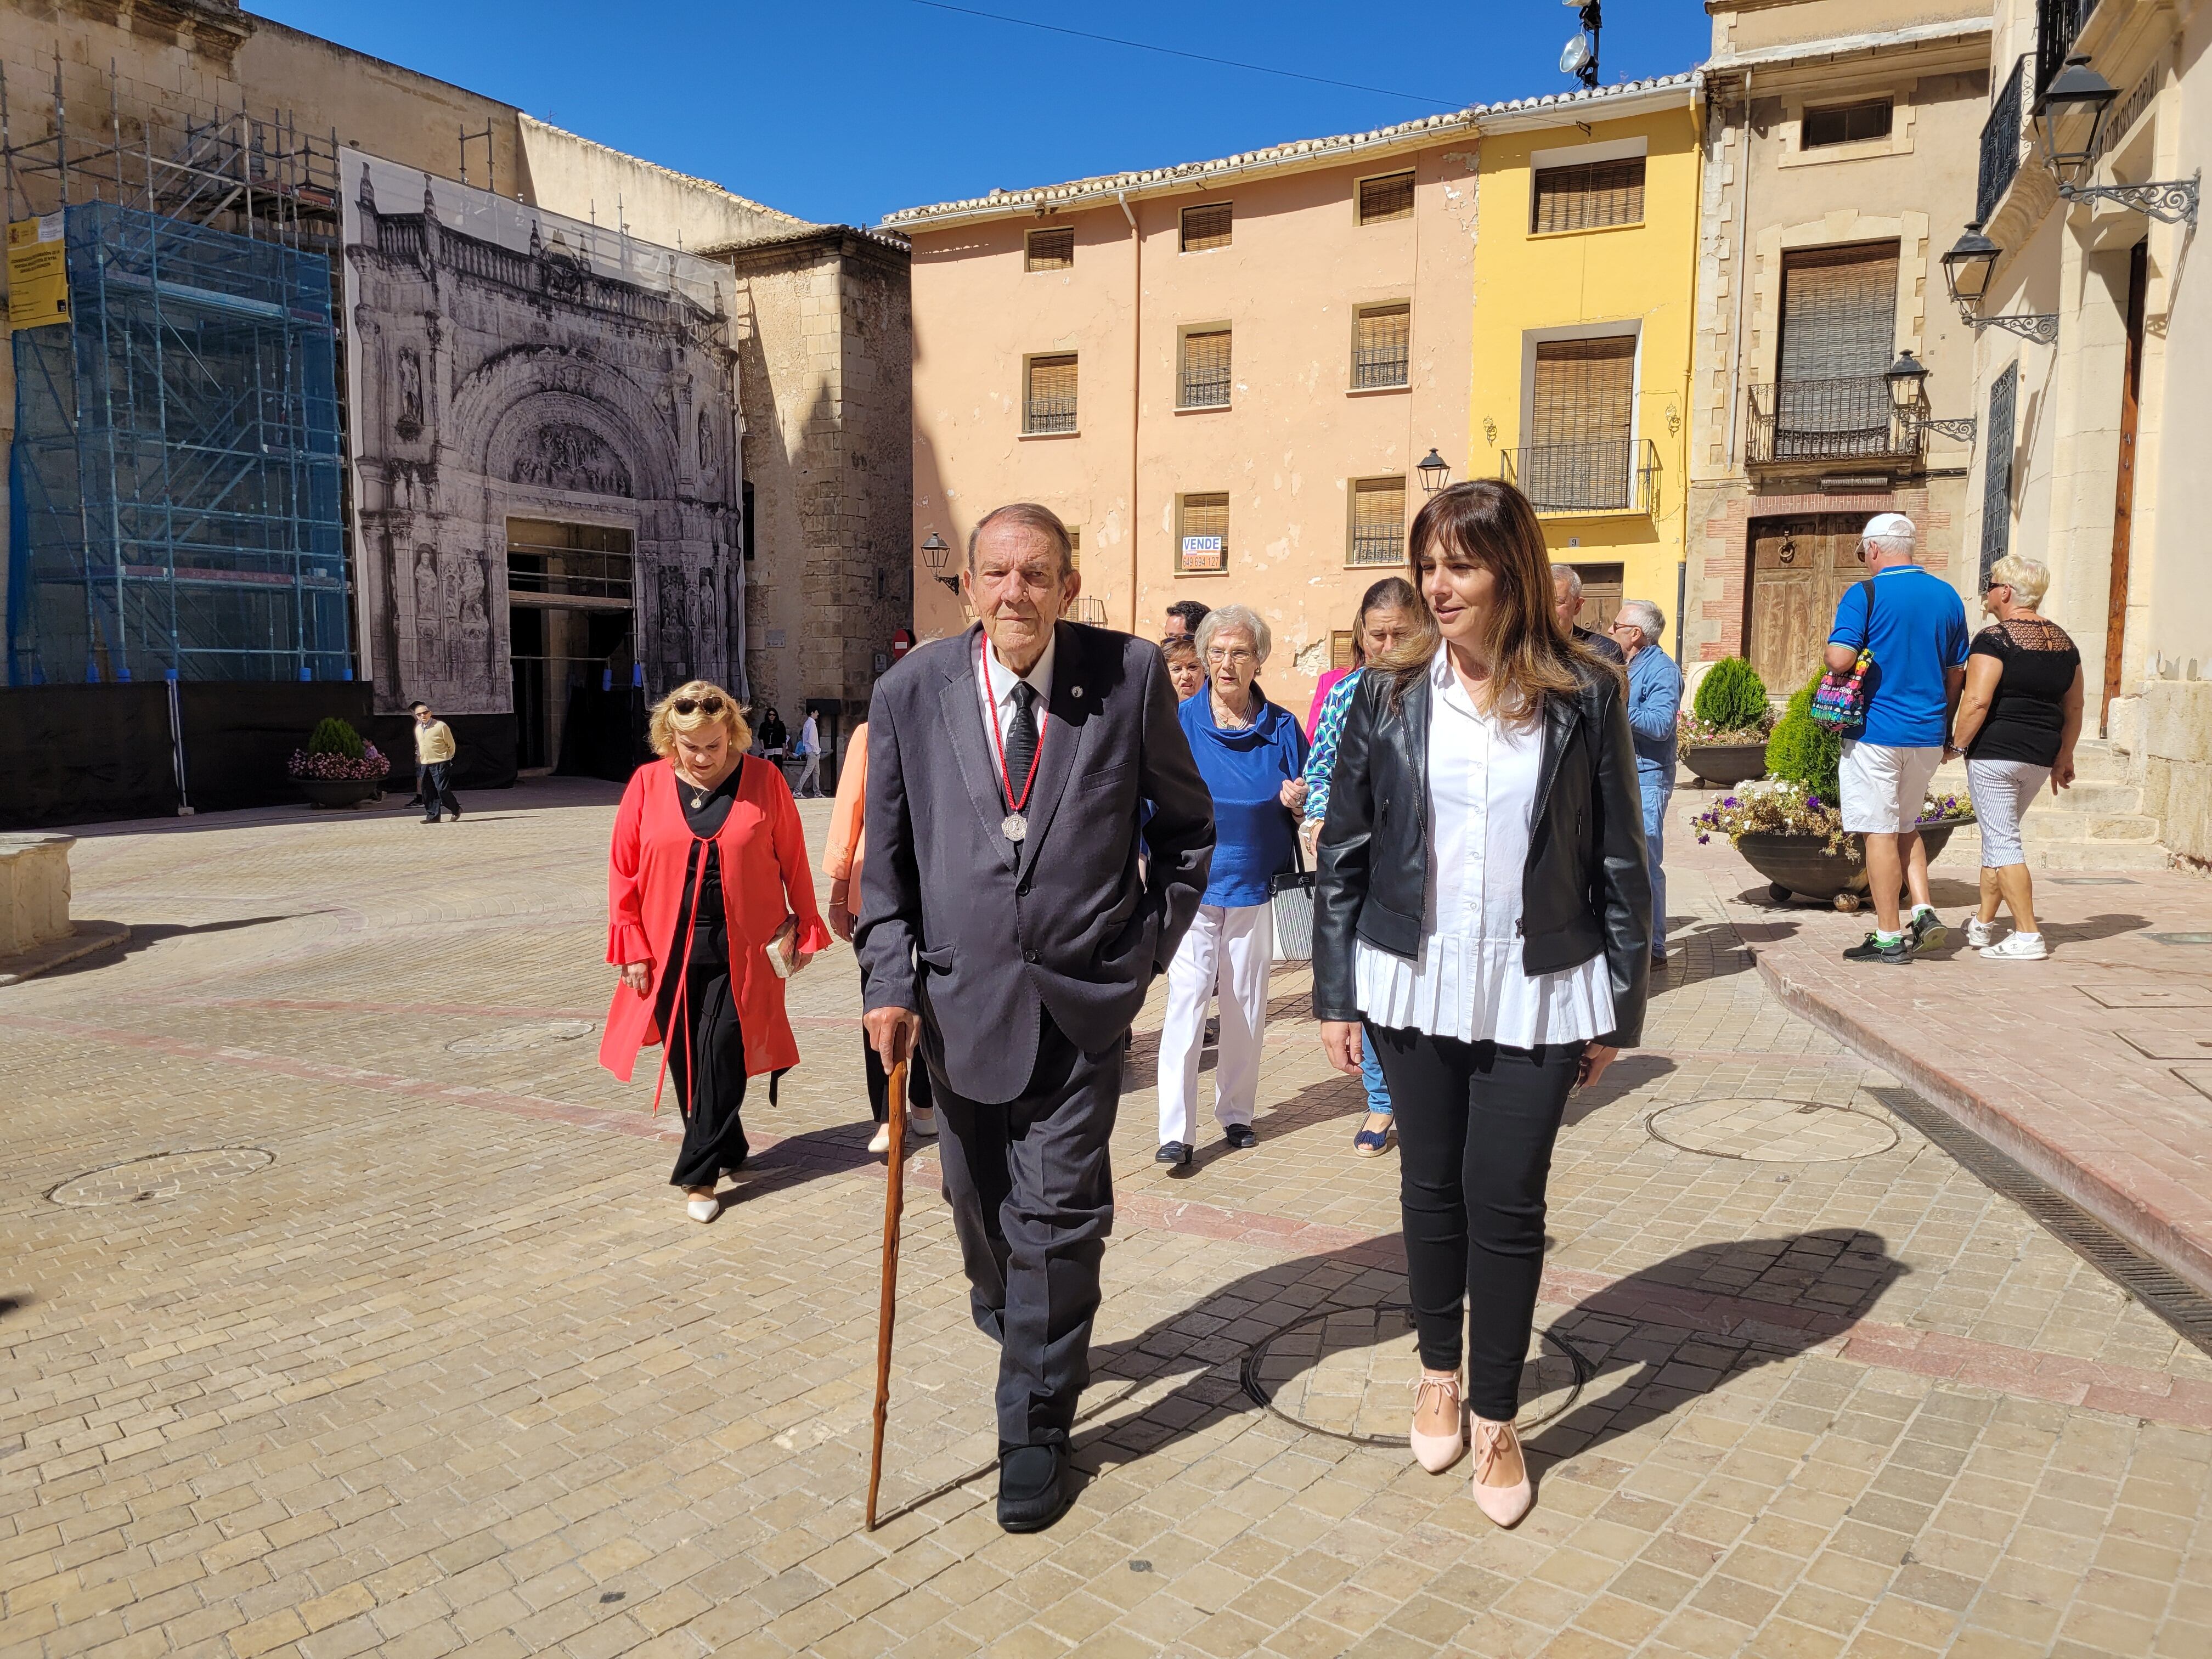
<point>1567,601</point>
<point>1914,627</point>
<point>434,753</point>
<point>1005,928</point>
<point>1655,698</point>
<point>809,755</point>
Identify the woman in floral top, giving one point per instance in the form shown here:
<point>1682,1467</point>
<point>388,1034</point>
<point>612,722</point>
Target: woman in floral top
<point>1388,614</point>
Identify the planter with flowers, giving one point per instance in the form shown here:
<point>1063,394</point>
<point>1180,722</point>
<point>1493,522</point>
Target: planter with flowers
<point>338,767</point>
<point>1788,827</point>
<point>1723,732</point>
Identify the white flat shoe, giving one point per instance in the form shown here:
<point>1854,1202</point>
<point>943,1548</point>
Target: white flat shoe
<point>2017,947</point>
<point>704,1209</point>
<point>1437,1452</point>
<point>881,1140</point>
<point>923,1123</point>
<point>1504,1504</point>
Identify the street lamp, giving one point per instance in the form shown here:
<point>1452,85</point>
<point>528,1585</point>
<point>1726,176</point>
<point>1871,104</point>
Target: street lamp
<point>1907,378</point>
<point>934,551</point>
<point>1967,270</point>
<point>2076,90</point>
<point>1436,472</point>
<point>1579,58</point>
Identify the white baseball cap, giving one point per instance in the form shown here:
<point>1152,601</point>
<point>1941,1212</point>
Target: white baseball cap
<point>1890,526</point>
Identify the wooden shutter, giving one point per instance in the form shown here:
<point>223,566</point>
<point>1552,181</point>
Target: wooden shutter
<point>1205,227</point>
<point>1341,643</point>
<point>1585,392</point>
<point>1075,546</point>
<point>1050,250</point>
<point>1379,522</point>
<point>1839,312</point>
<point>1589,196</point>
<point>1382,346</point>
<point>1205,379</point>
<point>1391,197</point>
<point>1051,395</point>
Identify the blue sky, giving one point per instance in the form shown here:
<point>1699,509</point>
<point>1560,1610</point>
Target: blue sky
<point>846,111</point>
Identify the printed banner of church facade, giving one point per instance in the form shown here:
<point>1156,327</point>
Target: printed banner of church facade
<point>509,366</point>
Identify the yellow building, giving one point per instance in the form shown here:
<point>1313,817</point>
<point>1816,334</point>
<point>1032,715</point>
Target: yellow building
<point>1584,277</point>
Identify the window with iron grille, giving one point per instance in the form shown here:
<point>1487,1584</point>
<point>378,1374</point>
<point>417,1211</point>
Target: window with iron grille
<point>1589,196</point>
<point>1379,522</point>
<point>1382,346</point>
<point>1049,250</point>
<point>1049,404</point>
<point>1996,470</point>
<point>1205,227</point>
<point>1391,197</point>
<point>1202,377</point>
<point>1845,124</point>
<point>1202,532</point>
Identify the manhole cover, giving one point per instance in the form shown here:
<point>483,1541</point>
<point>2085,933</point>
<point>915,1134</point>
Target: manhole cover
<point>509,1037</point>
<point>1349,1373</point>
<point>164,1175</point>
<point>1772,1131</point>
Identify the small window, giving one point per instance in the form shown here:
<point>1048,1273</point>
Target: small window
<point>1202,377</point>
<point>1845,124</point>
<point>1049,250</point>
<point>1204,227</point>
<point>1382,347</point>
<point>1589,196</point>
<point>1075,546</point>
<point>1049,404</point>
<point>1391,197</point>
<point>1342,652</point>
<point>1202,533</point>
<point>1379,522</point>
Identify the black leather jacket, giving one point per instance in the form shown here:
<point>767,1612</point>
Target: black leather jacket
<point>1585,888</point>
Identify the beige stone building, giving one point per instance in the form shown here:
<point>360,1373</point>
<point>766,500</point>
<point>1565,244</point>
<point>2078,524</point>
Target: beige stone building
<point>2096,388</point>
<point>1839,154</point>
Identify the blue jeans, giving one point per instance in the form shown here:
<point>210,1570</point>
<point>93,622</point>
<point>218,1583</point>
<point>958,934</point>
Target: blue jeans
<point>1371,1073</point>
<point>1656,784</point>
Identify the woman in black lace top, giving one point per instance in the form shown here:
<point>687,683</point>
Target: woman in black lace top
<point>2017,723</point>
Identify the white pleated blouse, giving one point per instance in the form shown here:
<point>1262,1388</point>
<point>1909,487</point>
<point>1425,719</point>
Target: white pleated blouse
<point>1468,981</point>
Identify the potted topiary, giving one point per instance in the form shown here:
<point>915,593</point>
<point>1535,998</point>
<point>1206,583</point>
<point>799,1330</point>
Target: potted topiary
<point>1787,825</point>
<point>338,767</point>
<point>1723,732</point>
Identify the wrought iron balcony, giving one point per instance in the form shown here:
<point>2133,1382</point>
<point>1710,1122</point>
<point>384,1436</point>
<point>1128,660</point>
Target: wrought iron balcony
<point>2001,135</point>
<point>1611,474</point>
<point>1805,423</point>
<point>2058,24</point>
<point>1048,415</point>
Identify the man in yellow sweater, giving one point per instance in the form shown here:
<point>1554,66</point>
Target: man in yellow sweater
<point>434,753</point>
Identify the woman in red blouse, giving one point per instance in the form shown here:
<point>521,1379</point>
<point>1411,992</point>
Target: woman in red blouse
<point>707,890</point>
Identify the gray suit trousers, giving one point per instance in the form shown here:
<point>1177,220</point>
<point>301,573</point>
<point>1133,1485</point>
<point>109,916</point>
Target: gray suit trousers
<point>1032,1198</point>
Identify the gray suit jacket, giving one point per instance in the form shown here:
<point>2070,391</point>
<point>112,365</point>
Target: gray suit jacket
<point>978,933</point>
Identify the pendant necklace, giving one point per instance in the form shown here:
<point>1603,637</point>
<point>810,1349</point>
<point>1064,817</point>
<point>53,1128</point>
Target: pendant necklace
<point>1015,827</point>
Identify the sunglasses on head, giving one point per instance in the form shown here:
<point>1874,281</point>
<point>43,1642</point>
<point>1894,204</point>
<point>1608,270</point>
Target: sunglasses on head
<point>697,705</point>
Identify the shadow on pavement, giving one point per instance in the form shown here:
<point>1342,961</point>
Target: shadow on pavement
<point>143,935</point>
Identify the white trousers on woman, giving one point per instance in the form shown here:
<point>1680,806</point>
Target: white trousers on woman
<point>1229,949</point>
<point>2003,790</point>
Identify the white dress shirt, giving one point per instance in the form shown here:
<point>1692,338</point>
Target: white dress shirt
<point>1468,981</point>
<point>997,682</point>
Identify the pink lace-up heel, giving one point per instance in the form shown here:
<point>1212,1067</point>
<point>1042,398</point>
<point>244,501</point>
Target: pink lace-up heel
<point>1504,1504</point>
<point>1437,1452</point>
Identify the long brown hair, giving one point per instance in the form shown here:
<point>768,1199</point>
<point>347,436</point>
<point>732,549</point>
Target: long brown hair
<point>1391,593</point>
<point>1531,656</point>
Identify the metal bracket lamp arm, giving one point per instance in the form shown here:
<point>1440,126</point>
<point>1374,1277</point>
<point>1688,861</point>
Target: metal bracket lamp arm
<point>2042,327</point>
<point>2171,201</point>
<point>1964,430</point>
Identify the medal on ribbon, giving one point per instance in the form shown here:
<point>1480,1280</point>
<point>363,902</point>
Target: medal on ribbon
<point>1015,826</point>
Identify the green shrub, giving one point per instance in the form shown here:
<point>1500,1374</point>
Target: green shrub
<point>333,735</point>
<point>1731,697</point>
<point>1802,750</point>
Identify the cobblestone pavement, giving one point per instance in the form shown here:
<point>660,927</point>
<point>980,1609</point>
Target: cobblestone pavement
<point>346,1310</point>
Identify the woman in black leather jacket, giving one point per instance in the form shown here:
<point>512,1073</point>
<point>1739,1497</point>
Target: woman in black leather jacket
<point>1483,916</point>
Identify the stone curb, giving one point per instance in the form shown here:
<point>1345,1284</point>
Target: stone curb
<point>89,937</point>
<point>2095,1192</point>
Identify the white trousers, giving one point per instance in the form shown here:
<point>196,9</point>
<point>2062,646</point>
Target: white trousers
<point>2003,791</point>
<point>1229,950</point>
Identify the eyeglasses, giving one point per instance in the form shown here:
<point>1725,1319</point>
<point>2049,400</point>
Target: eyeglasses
<point>698,705</point>
<point>1625,627</point>
<point>1221,655</point>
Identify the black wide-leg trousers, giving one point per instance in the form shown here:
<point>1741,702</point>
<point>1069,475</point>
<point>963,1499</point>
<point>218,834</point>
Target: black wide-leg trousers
<point>707,1064</point>
<point>1476,1124</point>
<point>1032,1196</point>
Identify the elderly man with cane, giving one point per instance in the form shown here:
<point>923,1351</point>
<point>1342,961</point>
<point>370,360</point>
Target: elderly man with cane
<point>1006,928</point>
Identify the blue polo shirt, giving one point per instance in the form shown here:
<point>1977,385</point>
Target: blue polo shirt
<point>1919,630</point>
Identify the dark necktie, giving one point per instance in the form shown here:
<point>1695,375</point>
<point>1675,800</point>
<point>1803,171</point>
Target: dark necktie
<point>1021,743</point>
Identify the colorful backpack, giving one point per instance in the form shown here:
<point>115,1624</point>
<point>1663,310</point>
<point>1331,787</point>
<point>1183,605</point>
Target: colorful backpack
<point>1840,701</point>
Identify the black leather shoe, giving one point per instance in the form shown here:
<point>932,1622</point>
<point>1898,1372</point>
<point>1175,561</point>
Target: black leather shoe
<point>1034,1488</point>
<point>1240,1136</point>
<point>1174,1152</point>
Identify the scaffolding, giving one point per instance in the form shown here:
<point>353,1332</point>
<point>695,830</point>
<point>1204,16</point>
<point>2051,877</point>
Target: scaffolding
<point>175,479</point>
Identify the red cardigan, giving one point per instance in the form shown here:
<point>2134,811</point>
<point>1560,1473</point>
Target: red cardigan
<point>764,879</point>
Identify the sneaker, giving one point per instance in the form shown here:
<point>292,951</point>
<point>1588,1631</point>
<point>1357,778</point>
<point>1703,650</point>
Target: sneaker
<point>1928,929</point>
<point>1899,951</point>
<point>2018,947</point>
<point>1173,1152</point>
<point>1980,934</point>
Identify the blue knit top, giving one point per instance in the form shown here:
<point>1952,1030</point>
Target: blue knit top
<point>1245,768</point>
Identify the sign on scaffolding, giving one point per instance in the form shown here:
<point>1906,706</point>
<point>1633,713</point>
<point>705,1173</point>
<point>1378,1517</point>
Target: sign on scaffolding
<point>38,272</point>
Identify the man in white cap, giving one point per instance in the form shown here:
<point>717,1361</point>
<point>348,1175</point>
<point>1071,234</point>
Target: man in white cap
<point>1914,626</point>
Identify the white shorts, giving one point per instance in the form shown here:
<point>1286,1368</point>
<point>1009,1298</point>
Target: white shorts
<point>1884,787</point>
<point>2002,790</point>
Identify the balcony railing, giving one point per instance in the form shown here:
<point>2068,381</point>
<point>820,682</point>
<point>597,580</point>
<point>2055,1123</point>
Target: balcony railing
<point>2059,24</point>
<point>2000,146</point>
<point>1851,419</point>
<point>1380,366</point>
<point>1048,415</point>
<point>1611,474</point>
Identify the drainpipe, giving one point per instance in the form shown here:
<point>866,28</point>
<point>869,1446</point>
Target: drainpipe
<point>1136,372</point>
<point>1742,278</point>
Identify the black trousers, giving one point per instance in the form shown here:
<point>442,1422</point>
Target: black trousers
<point>436,791</point>
<point>707,1064</point>
<point>1476,1123</point>
<point>1032,1197</point>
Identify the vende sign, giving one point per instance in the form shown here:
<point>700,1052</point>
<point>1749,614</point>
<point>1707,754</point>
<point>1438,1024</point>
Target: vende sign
<point>1202,553</point>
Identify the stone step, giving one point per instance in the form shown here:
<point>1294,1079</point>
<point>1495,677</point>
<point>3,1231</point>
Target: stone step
<point>2099,796</point>
<point>1962,856</point>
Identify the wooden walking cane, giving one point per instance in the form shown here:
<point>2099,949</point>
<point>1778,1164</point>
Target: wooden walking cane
<point>894,1202</point>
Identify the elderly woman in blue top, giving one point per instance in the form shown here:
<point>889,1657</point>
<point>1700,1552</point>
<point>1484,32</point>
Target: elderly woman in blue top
<point>1250,752</point>
<point>1389,615</point>
<point>1655,698</point>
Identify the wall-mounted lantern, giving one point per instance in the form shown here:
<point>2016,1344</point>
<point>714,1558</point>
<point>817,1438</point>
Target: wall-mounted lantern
<point>934,552</point>
<point>1436,472</point>
<point>2078,91</point>
<point>1967,270</point>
